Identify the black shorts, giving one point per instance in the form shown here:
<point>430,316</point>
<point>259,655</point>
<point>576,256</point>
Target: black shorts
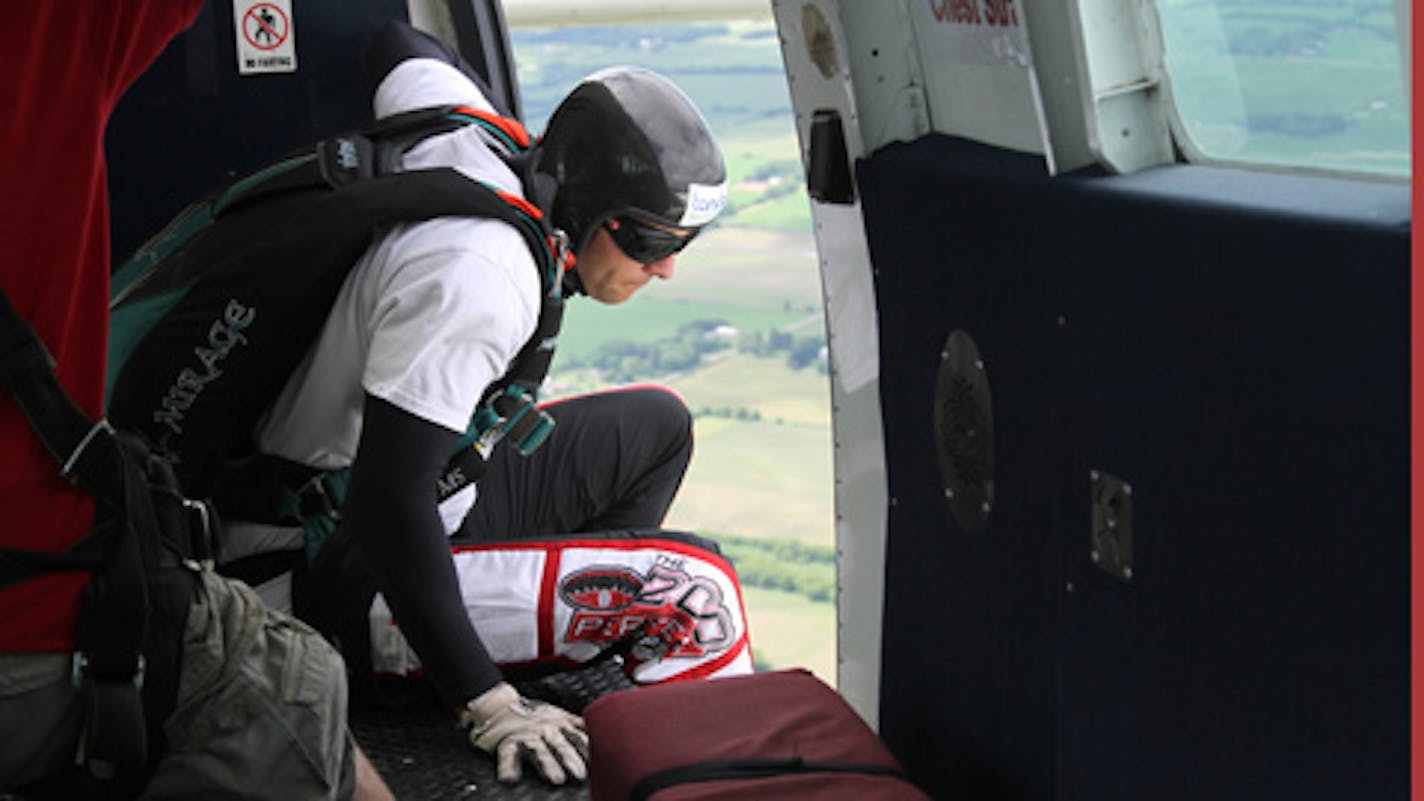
<point>614,461</point>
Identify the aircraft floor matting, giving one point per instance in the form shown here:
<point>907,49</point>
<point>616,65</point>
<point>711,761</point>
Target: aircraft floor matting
<point>424,757</point>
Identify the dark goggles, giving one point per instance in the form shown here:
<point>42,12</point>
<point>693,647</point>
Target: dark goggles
<point>644,243</point>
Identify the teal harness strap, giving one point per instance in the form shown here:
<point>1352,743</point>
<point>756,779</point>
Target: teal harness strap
<point>317,504</point>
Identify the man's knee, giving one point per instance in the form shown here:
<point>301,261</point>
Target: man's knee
<point>643,415</point>
<point>664,411</point>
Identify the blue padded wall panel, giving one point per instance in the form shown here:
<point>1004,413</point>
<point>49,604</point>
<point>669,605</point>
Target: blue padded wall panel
<point>1234,346</point>
<point>969,628</point>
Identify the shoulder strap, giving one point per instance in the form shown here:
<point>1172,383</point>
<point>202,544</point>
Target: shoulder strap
<point>141,523</point>
<point>91,455</point>
<point>27,373</point>
<point>332,163</point>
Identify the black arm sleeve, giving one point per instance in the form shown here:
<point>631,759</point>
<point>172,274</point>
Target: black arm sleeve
<point>391,512</point>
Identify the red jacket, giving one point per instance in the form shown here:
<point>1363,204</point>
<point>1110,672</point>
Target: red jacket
<point>63,73</point>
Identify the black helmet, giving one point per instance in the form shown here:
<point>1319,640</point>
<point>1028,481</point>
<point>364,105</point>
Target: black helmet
<point>626,141</point>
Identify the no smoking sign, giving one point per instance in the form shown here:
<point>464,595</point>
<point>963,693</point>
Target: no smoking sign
<point>266,41</point>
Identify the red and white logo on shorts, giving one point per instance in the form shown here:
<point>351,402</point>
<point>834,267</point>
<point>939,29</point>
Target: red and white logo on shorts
<point>667,613</point>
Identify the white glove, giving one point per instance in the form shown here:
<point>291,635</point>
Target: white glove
<point>510,727</point>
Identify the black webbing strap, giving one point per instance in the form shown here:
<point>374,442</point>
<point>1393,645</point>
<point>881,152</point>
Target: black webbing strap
<point>259,568</point>
<point>27,373</point>
<point>749,768</point>
<point>86,553</point>
<point>532,363</point>
<point>108,659</point>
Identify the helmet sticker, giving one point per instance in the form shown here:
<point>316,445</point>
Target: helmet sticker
<point>704,202</point>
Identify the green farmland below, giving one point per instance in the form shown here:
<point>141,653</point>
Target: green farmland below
<point>761,471</point>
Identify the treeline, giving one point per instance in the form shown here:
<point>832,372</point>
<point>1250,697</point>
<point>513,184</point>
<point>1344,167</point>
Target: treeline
<point>625,361</point>
<point>801,352</point>
<point>785,565</point>
<point>729,413</point>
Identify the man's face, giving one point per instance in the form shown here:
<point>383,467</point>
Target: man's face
<point>609,274</point>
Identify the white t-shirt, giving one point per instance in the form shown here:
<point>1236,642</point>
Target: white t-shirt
<point>428,318</point>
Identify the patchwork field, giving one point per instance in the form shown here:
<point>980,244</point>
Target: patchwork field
<point>759,479</point>
<point>789,631</point>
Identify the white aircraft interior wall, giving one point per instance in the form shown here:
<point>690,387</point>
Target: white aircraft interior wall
<point>815,49</point>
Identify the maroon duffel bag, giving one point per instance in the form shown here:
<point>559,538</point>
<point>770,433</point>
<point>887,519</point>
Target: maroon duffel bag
<point>782,735</point>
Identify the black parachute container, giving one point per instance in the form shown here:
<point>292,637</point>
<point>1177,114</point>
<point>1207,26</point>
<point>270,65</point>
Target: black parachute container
<point>210,315</point>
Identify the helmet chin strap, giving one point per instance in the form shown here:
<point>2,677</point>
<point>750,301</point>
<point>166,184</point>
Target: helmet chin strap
<point>572,284</point>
